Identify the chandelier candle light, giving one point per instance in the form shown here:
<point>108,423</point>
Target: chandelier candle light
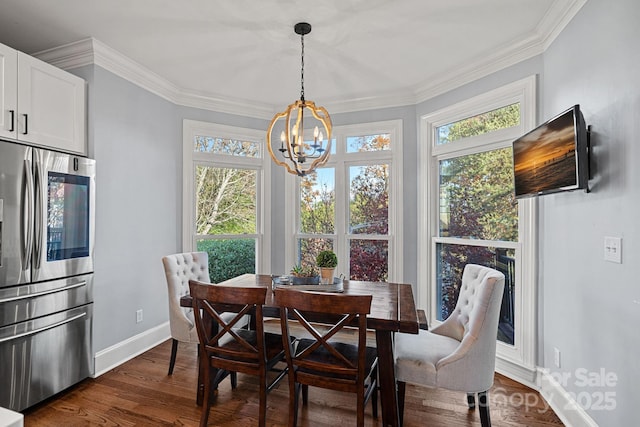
<point>299,156</point>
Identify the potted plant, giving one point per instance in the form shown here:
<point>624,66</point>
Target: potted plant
<point>304,275</point>
<point>327,262</point>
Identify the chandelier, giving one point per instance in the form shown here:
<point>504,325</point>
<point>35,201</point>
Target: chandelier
<point>298,155</point>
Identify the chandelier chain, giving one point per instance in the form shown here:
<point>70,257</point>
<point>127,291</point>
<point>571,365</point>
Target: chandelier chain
<point>302,68</point>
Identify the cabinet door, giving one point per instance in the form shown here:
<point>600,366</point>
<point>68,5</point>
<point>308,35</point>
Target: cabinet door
<point>8,91</point>
<point>52,106</point>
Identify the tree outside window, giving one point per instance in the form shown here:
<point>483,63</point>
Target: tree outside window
<point>226,204</point>
<point>477,203</point>
<point>365,160</point>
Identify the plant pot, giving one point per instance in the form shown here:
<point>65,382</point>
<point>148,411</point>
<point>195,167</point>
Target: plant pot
<point>326,274</point>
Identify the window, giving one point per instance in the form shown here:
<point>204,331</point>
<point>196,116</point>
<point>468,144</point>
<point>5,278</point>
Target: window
<point>224,180</point>
<point>466,192</point>
<point>351,204</point>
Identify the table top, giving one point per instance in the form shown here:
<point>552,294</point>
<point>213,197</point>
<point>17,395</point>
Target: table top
<point>392,306</point>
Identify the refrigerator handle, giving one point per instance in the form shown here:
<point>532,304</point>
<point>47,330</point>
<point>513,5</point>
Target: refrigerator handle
<point>39,221</point>
<point>45,292</point>
<point>27,225</point>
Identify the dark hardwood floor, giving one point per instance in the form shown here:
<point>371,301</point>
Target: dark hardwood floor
<point>140,393</point>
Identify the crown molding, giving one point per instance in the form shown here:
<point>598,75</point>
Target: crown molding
<point>515,52</point>
<point>224,105</point>
<point>555,20</point>
<point>91,51</point>
<point>370,103</point>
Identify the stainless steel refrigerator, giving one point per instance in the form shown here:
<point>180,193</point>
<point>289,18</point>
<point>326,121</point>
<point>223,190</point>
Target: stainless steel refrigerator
<point>47,229</point>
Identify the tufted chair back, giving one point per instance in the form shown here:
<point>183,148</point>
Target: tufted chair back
<point>460,353</point>
<point>474,323</point>
<point>179,269</point>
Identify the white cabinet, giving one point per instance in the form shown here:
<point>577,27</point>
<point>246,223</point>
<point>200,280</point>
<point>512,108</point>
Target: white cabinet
<point>8,91</point>
<point>41,104</point>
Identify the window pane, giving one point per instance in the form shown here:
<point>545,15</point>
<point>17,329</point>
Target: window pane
<point>317,202</point>
<point>229,257</point>
<point>377,142</point>
<point>231,147</point>
<point>476,197</point>
<point>451,260</point>
<point>369,199</point>
<point>225,200</point>
<point>308,249</point>
<point>500,118</point>
<point>369,260</point>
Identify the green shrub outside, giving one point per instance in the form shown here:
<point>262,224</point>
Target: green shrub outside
<point>229,258</point>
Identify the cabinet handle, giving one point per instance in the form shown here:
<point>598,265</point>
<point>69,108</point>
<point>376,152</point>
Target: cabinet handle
<point>26,124</point>
<point>13,114</point>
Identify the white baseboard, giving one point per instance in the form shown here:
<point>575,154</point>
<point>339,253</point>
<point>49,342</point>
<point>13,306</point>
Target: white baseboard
<point>567,409</point>
<point>117,354</point>
<point>517,372</point>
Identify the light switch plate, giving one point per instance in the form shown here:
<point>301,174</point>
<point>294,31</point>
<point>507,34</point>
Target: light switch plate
<point>613,249</point>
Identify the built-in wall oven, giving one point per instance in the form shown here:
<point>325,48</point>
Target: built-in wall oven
<point>47,220</point>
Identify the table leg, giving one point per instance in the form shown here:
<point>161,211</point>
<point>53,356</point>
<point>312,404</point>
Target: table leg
<point>387,378</point>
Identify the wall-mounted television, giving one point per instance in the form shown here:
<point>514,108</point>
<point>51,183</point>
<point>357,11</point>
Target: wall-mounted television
<point>553,157</point>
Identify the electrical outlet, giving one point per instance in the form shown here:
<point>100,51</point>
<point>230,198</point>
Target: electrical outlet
<point>139,316</point>
<point>613,249</point>
<point>556,357</point>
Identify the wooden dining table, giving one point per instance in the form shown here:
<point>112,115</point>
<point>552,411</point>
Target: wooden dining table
<point>392,310</point>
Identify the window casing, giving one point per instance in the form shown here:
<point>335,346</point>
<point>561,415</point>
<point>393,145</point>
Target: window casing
<point>226,157</point>
<point>444,244</point>
<point>364,154</point>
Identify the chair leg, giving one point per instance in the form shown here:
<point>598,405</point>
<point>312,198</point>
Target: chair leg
<point>262,417</point>
<point>305,395</point>
<point>401,391</point>
<point>360,407</point>
<point>483,402</point>
<point>174,351</point>
<point>294,392</point>
<point>374,394</point>
<point>206,402</point>
<point>234,380</point>
<point>471,400</point>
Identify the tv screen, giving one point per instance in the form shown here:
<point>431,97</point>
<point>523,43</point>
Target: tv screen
<point>553,157</point>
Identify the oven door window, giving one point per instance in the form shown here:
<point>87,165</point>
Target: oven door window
<point>67,216</point>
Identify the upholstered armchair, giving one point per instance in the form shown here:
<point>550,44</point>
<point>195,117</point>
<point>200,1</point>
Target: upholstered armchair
<point>179,269</point>
<point>459,354</point>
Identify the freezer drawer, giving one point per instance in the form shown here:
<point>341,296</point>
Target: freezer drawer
<point>24,302</point>
<point>43,356</point>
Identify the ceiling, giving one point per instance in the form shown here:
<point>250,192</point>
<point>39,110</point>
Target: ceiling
<point>359,54</point>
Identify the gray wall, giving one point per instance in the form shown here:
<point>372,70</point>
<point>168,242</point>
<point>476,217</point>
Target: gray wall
<point>135,138</point>
<point>591,308</point>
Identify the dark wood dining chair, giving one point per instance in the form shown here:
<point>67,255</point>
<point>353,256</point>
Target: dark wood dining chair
<point>322,360</point>
<point>229,348</point>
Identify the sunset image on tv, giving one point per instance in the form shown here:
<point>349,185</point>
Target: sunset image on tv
<point>545,159</point>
